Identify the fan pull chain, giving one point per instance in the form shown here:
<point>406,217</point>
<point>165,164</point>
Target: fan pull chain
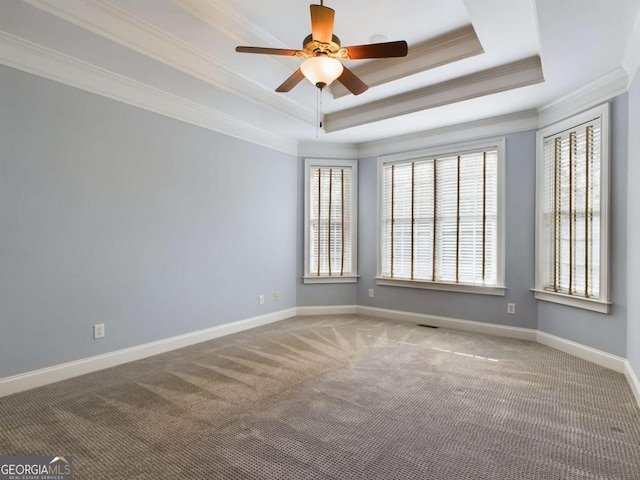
<point>318,112</point>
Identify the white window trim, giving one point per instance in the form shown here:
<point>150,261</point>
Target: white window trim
<point>597,305</point>
<point>445,286</point>
<point>353,164</point>
<point>452,149</point>
<point>572,301</point>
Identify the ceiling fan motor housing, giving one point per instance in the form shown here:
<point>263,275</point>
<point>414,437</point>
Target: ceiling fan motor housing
<point>314,48</point>
<point>322,54</point>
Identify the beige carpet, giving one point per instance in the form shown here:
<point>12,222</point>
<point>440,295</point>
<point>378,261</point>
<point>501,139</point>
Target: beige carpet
<point>338,398</point>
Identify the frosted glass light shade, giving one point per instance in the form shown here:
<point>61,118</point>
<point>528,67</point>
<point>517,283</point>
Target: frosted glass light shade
<point>321,71</point>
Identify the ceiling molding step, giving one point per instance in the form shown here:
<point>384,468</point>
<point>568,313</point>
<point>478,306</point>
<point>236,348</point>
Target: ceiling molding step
<point>590,95</point>
<point>631,60</point>
<point>536,24</point>
<point>114,23</point>
<point>311,149</point>
<point>236,26</point>
<point>489,127</point>
<point>447,48</point>
<point>499,79</point>
<point>44,62</point>
<point>229,21</point>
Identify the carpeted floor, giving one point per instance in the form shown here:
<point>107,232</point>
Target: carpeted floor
<point>343,397</point>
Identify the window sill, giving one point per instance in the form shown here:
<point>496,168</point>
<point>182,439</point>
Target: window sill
<point>450,287</point>
<point>571,301</point>
<point>328,279</point>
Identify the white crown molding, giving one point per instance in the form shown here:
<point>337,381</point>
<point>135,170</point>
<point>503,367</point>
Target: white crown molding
<point>309,149</point>
<point>45,376</point>
<point>632,378</point>
<point>116,24</point>
<point>499,79</point>
<point>631,60</point>
<point>447,48</point>
<point>489,127</point>
<point>590,95</point>
<point>36,59</point>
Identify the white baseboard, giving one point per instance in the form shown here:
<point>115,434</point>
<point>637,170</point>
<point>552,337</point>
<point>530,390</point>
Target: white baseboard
<point>593,355</point>
<point>56,373</point>
<point>327,310</point>
<point>453,323</point>
<point>632,378</point>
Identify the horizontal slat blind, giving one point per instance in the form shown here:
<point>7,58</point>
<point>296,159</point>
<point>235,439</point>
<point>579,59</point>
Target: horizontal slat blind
<point>571,210</point>
<point>331,211</point>
<point>440,219</point>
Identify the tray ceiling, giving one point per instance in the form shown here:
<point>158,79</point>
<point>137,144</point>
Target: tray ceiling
<point>468,59</point>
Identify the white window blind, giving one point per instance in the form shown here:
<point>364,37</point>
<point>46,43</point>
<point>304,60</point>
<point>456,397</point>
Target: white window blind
<point>440,219</point>
<point>330,239</point>
<point>572,210</point>
<point>572,223</point>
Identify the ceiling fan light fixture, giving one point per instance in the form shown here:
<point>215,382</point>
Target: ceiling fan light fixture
<point>321,71</point>
<point>323,54</point>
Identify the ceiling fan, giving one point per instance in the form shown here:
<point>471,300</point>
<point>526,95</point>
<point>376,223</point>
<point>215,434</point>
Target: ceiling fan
<point>322,54</point>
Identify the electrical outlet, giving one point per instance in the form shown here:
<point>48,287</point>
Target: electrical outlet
<point>511,308</point>
<point>98,330</point>
<point>371,293</point>
<point>261,299</point>
<point>276,296</point>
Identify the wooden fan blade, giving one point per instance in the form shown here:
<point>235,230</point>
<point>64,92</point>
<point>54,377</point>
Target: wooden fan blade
<point>378,50</point>
<point>322,23</point>
<point>291,82</point>
<point>267,51</point>
<point>352,82</point>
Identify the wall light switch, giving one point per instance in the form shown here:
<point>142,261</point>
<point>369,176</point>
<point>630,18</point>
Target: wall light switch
<point>98,330</point>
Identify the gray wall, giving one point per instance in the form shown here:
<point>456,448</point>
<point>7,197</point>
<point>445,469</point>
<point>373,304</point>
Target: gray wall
<point>633,229</point>
<point>519,274</point>
<point>112,214</point>
<point>602,331</point>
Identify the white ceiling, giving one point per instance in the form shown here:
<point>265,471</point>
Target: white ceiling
<point>178,56</point>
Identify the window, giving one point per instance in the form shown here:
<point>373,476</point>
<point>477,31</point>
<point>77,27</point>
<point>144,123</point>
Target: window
<point>441,220</point>
<point>572,196</point>
<point>330,221</point>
